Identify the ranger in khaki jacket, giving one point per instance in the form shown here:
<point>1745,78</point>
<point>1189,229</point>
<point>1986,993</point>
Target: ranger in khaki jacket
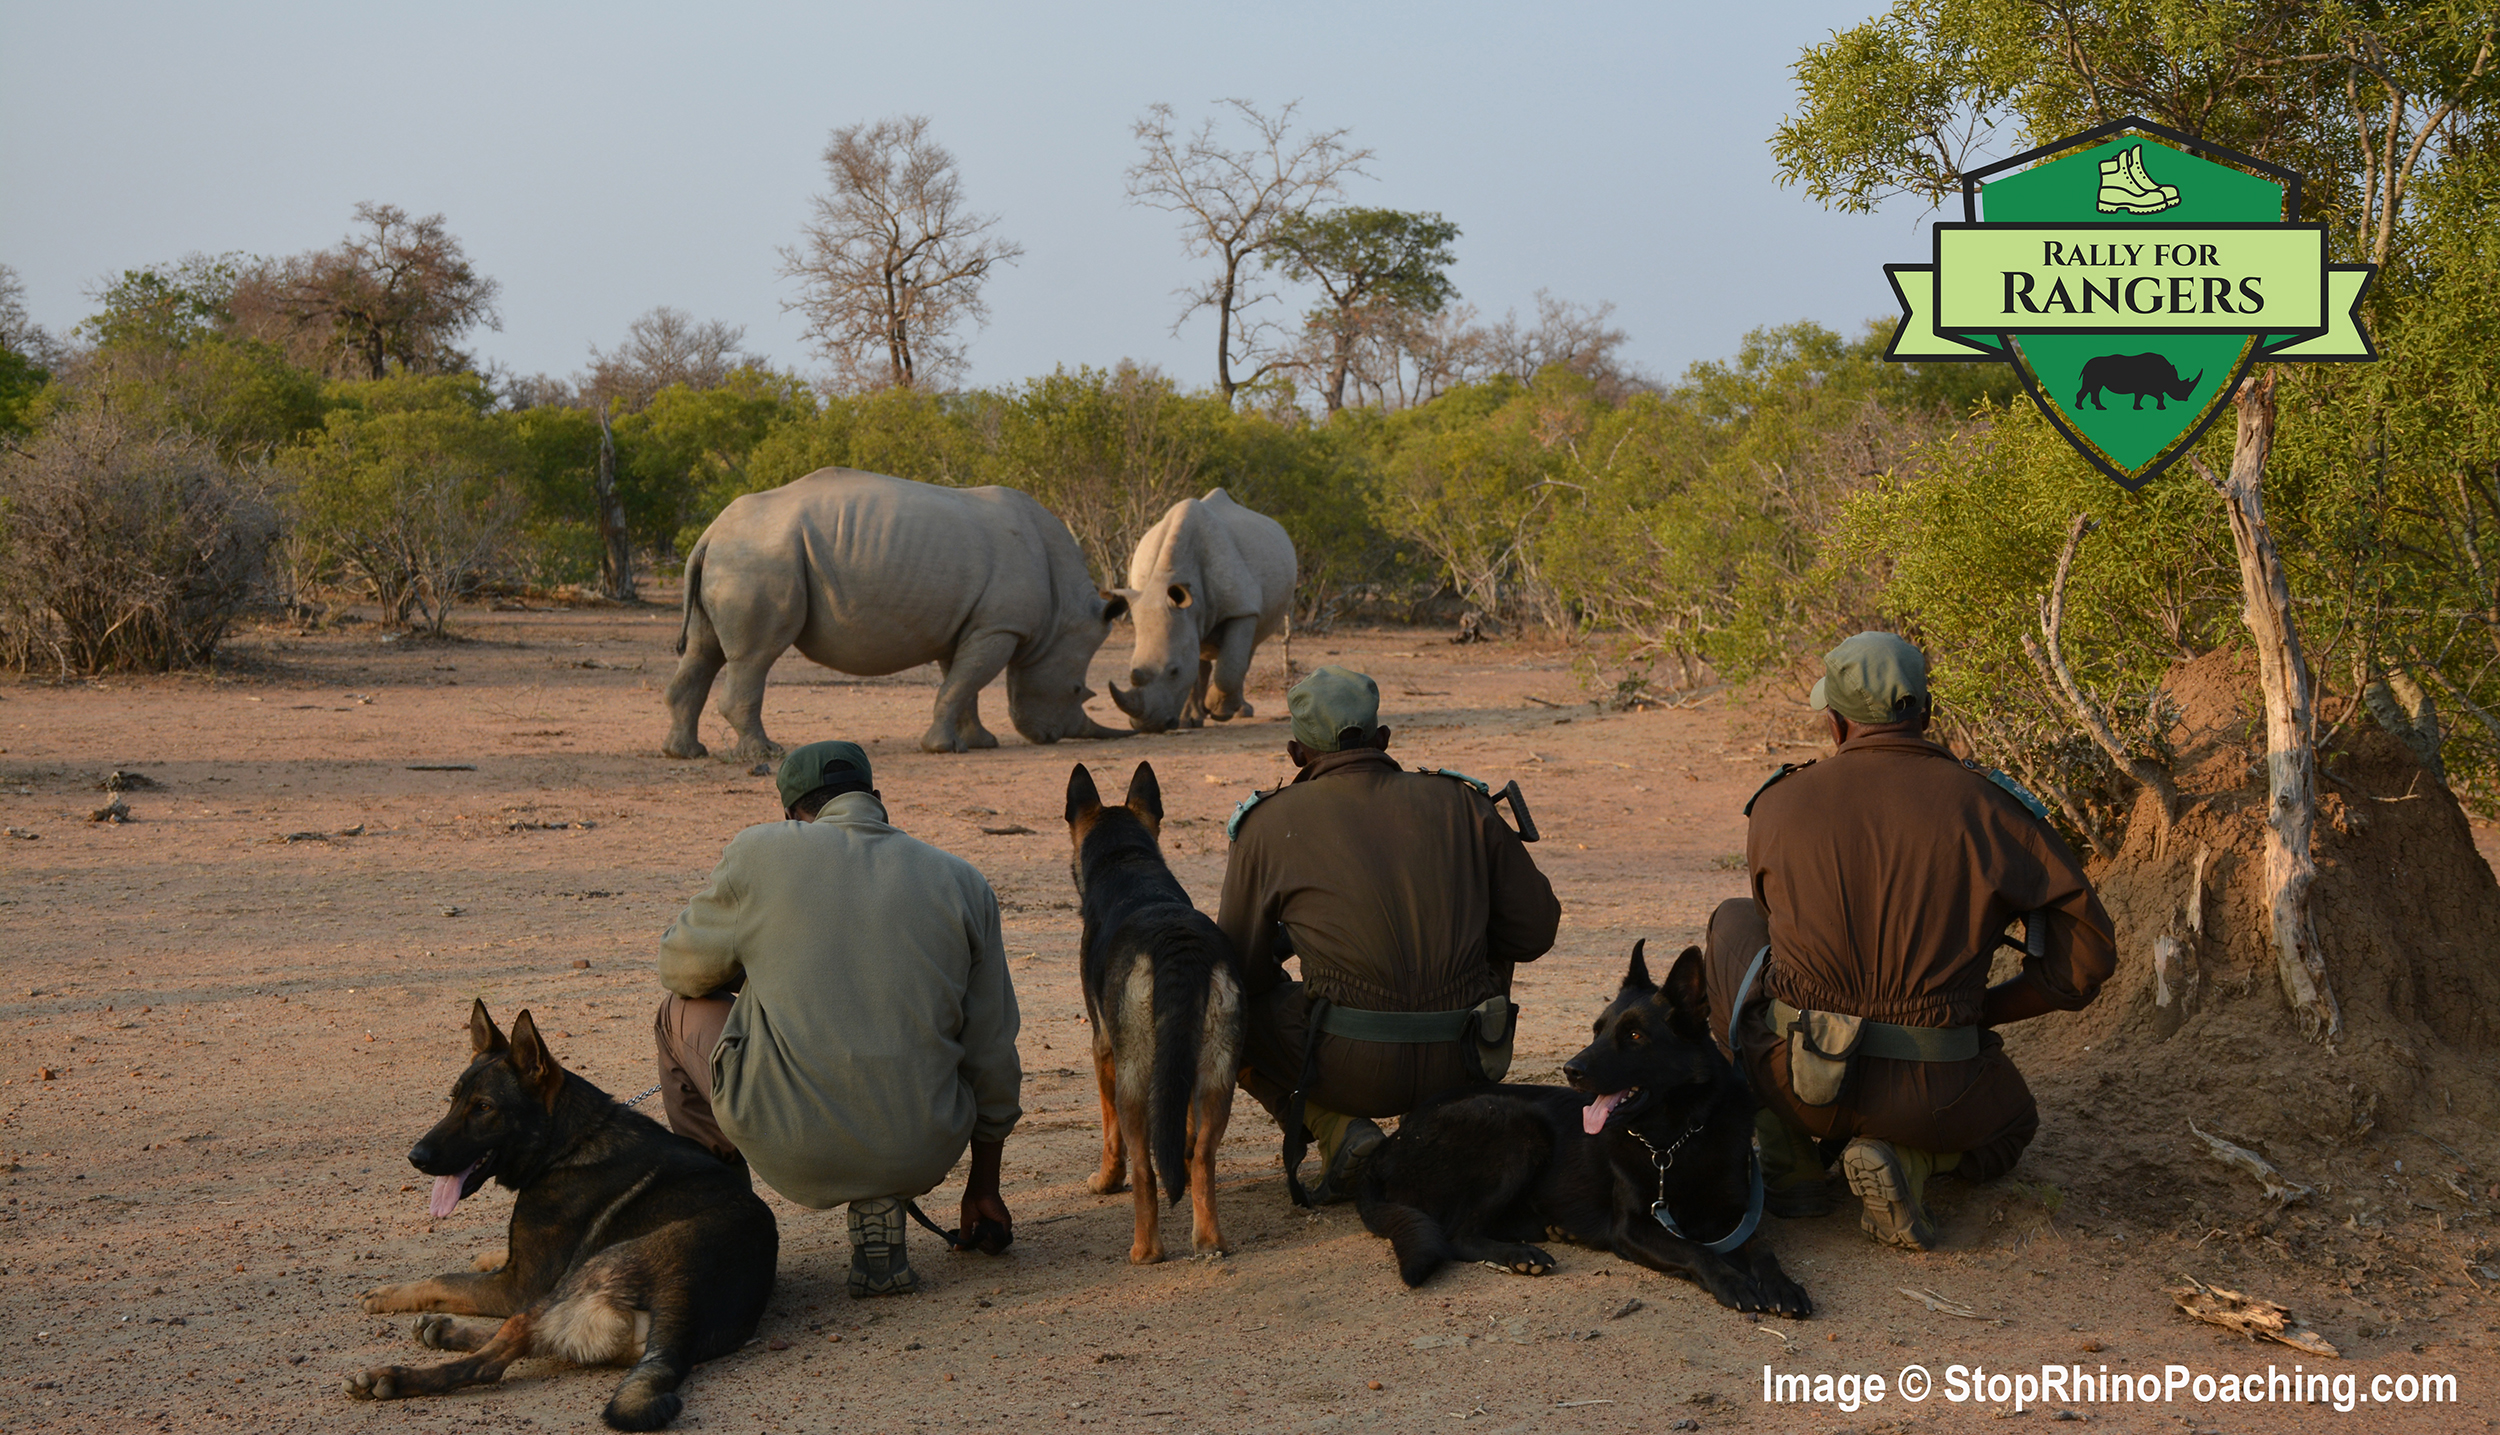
<point>874,1031</point>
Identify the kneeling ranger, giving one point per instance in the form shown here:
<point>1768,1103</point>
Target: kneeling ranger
<point>1406,897</point>
<point>1883,879</point>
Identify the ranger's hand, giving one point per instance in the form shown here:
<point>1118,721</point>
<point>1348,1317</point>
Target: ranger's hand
<point>987,1227</point>
<point>2016,999</point>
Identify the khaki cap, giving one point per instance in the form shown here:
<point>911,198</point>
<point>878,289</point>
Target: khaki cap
<point>819,764</point>
<point>1874,678</point>
<point>1328,702</point>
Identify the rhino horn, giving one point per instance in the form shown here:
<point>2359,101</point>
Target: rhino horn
<point>1125,702</point>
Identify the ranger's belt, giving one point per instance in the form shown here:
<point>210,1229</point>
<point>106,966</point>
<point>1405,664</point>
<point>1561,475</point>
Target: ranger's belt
<point>1410,1027</point>
<point>1896,1042</point>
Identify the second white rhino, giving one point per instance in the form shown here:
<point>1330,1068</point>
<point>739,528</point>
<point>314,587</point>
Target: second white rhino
<point>1209,582</point>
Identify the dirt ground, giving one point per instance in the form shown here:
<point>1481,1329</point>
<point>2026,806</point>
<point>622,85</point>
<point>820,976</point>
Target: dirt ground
<point>223,1023</point>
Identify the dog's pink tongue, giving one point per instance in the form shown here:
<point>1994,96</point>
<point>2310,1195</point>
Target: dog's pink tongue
<point>1593,1117</point>
<point>447,1193</point>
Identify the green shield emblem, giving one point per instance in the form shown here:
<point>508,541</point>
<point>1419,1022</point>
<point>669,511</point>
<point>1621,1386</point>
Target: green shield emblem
<point>2132,276</point>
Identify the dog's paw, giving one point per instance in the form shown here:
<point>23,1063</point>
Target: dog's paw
<point>1103,1183</point>
<point>380,1383</point>
<point>381,1300</point>
<point>1782,1296</point>
<point>1523,1260</point>
<point>1743,1293</point>
<point>489,1260</point>
<point>1145,1253</point>
<point>640,1411</point>
<point>429,1331</point>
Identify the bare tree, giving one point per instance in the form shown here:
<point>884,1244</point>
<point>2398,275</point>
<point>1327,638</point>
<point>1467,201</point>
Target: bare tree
<point>893,263</point>
<point>665,346</point>
<point>1575,336</point>
<point>1404,358</point>
<point>19,333</point>
<point>1232,204</point>
<point>124,547</point>
<point>399,292</point>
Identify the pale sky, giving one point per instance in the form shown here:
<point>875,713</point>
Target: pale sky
<point>602,159</point>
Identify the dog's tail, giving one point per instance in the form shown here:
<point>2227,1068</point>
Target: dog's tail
<point>1186,961</point>
<point>694,591</point>
<point>1418,1241</point>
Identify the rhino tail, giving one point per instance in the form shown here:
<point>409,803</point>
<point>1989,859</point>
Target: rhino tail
<point>694,591</point>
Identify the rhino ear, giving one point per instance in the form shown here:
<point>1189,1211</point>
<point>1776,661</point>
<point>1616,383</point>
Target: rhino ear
<point>1145,795</point>
<point>1084,799</point>
<point>1114,603</point>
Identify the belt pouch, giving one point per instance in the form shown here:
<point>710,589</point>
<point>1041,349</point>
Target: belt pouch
<point>1820,1047</point>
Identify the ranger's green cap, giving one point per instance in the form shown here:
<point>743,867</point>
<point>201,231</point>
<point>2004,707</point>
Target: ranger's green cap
<point>1874,678</point>
<point>817,764</point>
<point>1328,702</point>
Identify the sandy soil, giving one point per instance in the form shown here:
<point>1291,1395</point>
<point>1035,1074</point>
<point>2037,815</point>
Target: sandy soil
<point>222,1023</point>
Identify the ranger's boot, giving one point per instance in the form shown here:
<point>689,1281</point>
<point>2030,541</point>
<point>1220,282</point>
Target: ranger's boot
<point>1794,1186</point>
<point>1892,1181</point>
<point>1346,1146</point>
<point>879,1265</point>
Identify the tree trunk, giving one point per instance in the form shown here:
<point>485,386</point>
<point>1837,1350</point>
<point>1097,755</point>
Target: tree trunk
<point>616,552</point>
<point>2291,759</point>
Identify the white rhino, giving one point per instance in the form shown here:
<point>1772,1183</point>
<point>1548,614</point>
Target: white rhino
<point>868,574</point>
<point>1208,583</point>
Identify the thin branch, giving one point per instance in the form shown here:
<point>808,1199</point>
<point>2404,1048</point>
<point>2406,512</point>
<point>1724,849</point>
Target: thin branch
<point>2046,653</point>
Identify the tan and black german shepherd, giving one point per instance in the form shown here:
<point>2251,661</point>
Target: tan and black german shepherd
<point>1163,991</point>
<point>628,1242</point>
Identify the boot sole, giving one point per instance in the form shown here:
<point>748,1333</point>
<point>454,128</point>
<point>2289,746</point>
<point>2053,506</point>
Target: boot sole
<point>1878,1181</point>
<point>862,1287</point>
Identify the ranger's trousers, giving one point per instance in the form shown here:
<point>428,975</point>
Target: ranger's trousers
<point>1356,1078</point>
<point>685,1030</point>
<point>1980,1107</point>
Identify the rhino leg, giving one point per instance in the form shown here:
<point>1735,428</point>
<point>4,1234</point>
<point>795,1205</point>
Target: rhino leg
<point>1194,707</point>
<point>1234,644</point>
<point>691,684</point>
<point>742,706</point>
<point>956,724</point>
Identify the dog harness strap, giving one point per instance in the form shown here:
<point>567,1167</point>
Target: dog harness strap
<point>1899,1043</point>
<point>1744,989</point>
<point>1744,1228</point>
<point>1409,1027</point>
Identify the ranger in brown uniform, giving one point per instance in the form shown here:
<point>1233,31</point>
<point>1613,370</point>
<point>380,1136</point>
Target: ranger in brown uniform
<point>1884,877</point>
<point>1407,898</point>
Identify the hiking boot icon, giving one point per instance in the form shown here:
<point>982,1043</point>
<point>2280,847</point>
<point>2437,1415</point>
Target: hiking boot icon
<point>2127,189</point>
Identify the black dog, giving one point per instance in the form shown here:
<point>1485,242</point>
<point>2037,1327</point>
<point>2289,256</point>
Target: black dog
<point>1477,1174</point>
<point>628,1242</point>
<point>1163,992</point>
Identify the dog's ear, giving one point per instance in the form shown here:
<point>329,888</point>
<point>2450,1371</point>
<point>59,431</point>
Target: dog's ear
<point>1688,993</point>
<point>1145,795</point>
<point>1084,799</point>
<point>533,1062</point>
<point>1637,979</point>
<point>484,1039</point>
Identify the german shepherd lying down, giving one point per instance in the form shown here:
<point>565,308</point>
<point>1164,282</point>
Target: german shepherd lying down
<point>1163,993</point>
<point>628,1242</point>
<point>1477,1174</point>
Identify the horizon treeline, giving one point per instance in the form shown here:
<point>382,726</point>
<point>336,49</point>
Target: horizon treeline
<point>220,427</point>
